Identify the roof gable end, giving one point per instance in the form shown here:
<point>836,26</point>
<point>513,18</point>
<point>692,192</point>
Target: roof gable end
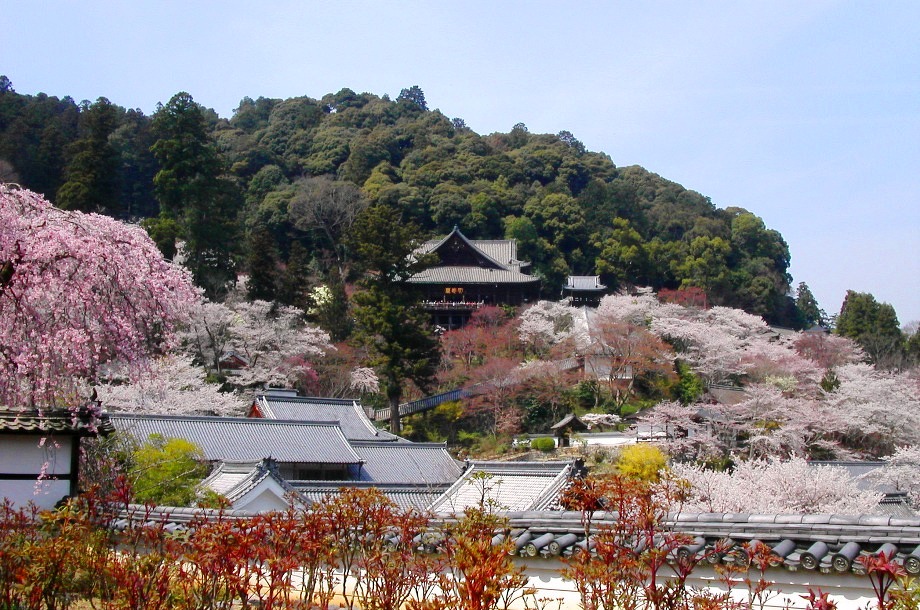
<point>456,250</point>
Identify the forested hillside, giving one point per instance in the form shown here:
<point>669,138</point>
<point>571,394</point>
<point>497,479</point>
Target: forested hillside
<point>572,211</point>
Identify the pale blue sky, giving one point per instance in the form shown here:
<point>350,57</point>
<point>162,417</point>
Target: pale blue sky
<point>805,113</point>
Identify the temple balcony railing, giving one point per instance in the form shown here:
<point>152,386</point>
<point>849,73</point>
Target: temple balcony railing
<point>452,305</point>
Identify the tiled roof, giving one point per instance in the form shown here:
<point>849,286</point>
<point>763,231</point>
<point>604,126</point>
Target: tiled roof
<point>471,275</point>
<point>233,480</point>
<point>84,421</point>
<point>239,439</point>
<point>828,543</point>
<point>584,282</point>
<point>501,252</point>
<point>417,497</point>
<point>405,463</point>
<point>570,420</point>
<point>348,413</point>
<point>509,485</point>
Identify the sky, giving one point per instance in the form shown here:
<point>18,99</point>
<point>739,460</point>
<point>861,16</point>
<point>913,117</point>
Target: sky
<point>805,113</point>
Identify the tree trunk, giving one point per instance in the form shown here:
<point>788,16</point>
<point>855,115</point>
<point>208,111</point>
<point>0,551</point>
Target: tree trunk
<point>395,427</point>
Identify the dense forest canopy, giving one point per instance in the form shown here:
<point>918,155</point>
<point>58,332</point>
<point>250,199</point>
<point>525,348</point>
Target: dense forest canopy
<point>572,210</point>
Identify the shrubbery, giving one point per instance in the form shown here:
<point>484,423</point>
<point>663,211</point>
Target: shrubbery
<point>543,443</point>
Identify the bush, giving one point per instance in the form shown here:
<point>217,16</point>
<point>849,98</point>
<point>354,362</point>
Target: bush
<point>643,462</point>
<point>544,444</point>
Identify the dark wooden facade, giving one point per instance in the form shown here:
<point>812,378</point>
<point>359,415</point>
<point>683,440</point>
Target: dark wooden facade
<point>471,274</point>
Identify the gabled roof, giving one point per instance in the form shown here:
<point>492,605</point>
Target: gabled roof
<point>406,497</point>
<point>471,275</point>
<point>458,245</point>
<point>571,420</point>
<point>347,412</point>
<point>84,421</point>
<point>511,486</point>
<point>584,282</point>
<point>237,480</point>
<point>240,439</point>
<point>468,261</point>
<point>406,463</point>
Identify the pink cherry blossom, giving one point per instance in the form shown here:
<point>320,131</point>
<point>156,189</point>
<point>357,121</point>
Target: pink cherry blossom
<point>76,291</point>
<point>775,487</point>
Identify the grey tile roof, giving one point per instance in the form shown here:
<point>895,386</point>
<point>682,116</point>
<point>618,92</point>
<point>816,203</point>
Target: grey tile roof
<point>405,463</point>
<point>471,275</point>
<point>510,485</point>
<point>239,439</point>
<point>406,497</point>
<point>584,282</point>
<point>233,480</point>
<point>791,537</point>
<point>348,413</point>
<point>834,540</point>
<point>502,252</point>
<point>858,471</point>
<point>83,421</point>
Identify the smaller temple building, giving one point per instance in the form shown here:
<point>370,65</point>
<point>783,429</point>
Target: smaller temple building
<point>584,290</point>
<point>471,274</point>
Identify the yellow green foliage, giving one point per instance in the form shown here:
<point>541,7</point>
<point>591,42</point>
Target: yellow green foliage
<point>642,461</point>
<point>167,471</point>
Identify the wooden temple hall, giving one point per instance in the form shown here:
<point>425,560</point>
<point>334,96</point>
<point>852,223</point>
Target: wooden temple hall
<point>472,273</point>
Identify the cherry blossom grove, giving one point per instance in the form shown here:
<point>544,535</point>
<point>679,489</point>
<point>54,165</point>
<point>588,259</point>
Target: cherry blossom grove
<point>775,487</point>
<point>273,340</point>
<point>169,385</point>
<point>77,291</point>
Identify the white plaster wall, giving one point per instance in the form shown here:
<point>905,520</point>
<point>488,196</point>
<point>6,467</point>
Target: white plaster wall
<point>265,497</point>
<point>44,494</point>
<point>850,591</point>
<point>26,454</point>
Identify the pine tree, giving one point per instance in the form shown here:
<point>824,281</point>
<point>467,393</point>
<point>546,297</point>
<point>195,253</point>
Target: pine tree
<point>262,264</point>
<point>401,343</point>
<point>191,190</point>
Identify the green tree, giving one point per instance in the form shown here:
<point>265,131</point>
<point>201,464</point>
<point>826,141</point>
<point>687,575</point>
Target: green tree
<point>91,174</point>
<point>413,95</point>
<point>294,282</point>
<point>262,265</point>
<point>623,256</point>
<point>397,333</point>
<point>874,326</point>
<point>706,265</point>
<point>191,190</point>
<point>807,306</point>
<point>167,471</point>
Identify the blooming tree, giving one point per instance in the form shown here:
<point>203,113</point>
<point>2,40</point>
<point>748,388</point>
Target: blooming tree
<point>171,384</point>
<point>680,433</point>
<point>634,309</point>
<point>900,472</point>
<point>546,323</point>
<point>775,487</point>
<point>364,379</point>
<point>77,291</point>
<point>618,353</point>
<point>828,351</point>
<point>273,339</point>
<point>882,408</point>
